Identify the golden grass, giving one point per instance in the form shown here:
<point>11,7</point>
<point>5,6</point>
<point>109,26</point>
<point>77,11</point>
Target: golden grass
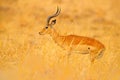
<point>25,55</point>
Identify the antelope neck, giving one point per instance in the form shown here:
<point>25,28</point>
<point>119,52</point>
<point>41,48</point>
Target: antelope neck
<point>54,35</point>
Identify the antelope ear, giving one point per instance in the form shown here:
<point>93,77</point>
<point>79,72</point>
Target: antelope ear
<point>53,22</point>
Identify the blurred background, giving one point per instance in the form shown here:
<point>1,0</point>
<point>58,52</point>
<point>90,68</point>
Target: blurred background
<point>26,55</point>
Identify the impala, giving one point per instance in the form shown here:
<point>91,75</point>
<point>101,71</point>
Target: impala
<point>73,43</point>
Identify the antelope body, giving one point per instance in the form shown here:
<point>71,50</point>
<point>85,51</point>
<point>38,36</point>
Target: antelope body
<point>74,43</point>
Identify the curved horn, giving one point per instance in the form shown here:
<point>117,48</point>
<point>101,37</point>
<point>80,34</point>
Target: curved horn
<point>54,15</point>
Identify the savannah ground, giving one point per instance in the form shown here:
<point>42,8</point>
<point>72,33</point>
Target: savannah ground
<point>26,55</point>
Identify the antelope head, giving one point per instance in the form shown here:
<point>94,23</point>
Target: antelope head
<point>50,23</point>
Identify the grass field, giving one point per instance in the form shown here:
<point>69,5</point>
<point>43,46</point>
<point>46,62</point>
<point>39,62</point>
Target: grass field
<point>26,55</point>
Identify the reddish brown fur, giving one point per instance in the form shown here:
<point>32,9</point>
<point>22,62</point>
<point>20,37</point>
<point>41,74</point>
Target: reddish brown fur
<point>74,42</point>
<point>70,42</point>
<point>84,41</point>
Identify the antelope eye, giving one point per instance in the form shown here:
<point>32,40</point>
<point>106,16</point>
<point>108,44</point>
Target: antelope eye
<point>46,27</point>
<point>88,47</point>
